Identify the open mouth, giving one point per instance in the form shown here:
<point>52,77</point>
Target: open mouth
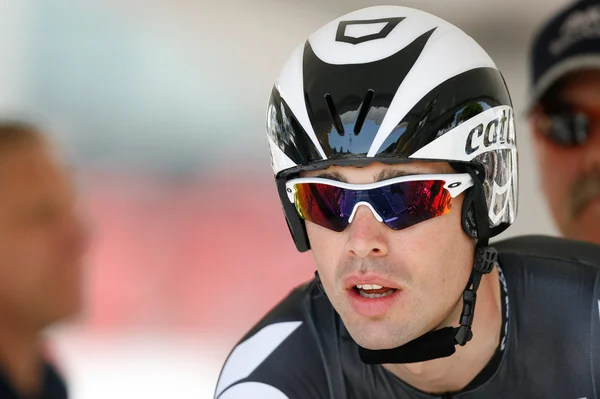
<point>371,299</point>
<point>373,291</point>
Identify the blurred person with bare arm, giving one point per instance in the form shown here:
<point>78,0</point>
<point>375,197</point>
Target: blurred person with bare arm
<point>42,242</point>
<point>394,153</point>
<point>564,117</point>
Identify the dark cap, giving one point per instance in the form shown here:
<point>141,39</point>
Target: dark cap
<point>568,42</point>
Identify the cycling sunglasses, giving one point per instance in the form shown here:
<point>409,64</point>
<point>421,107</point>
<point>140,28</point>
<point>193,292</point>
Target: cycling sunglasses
<point>400,202</point>
<point>565,128</point>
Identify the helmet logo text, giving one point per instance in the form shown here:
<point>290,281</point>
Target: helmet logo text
<point>497,131</point>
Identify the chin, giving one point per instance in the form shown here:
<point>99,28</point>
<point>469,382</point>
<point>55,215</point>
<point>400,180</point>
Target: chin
<point>375,336</point>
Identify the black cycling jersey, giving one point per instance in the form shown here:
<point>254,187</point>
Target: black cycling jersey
<point>550,347</point>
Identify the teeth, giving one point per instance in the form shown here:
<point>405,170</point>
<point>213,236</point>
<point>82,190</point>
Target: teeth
<point>368,287</point>
<point>372,296</point>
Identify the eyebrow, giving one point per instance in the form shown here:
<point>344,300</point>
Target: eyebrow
<point>392,173</point>
<point>333,176</point>
<point>383,175</point>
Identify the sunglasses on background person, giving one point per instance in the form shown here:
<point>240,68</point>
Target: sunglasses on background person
<point>400,202</point>
<point>566,128</point>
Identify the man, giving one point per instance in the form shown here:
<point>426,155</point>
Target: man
<point>565,117</point>
<point>393,146</point>
<point>42,241</point>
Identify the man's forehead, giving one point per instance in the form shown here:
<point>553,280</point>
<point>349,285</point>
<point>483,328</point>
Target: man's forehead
<point>378,171</point>
<point>583,75</point>
<point>34,171</point>
<point>575,82</point>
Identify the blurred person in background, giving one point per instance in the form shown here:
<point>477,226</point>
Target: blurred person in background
<point>42,242</point>
<point>394,152</point>
<point>564,117</point>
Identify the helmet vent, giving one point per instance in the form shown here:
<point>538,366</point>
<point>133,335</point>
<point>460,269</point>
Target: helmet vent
<point>337,122</point>
<point>364,110</point>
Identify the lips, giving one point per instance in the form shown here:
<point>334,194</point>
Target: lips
<point>355,280</point>
<point>373,291</point>
<point>371,296</point>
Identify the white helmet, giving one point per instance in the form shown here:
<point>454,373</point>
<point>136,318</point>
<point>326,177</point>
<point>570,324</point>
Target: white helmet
<point>392,84</point>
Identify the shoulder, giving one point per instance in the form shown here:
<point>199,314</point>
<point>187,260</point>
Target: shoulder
<point>279,358</point>
<point>553,285</point>
<point>554,302</point>
<point>550,248</point>
<point>550,258</point>
<point>551,269</point>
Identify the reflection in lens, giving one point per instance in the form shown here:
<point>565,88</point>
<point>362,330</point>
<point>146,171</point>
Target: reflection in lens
<point>405,204</point>
<point>401,205</point>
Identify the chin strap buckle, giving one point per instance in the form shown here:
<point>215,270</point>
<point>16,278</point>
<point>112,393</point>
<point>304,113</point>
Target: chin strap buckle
<point>485,259</point>
<point>464,333</point>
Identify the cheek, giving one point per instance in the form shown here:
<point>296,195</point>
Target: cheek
<point>558,167</point>
<point>327,248</point>
<point>30,251</point>
<point>439,255</point>
<point>23,271</point>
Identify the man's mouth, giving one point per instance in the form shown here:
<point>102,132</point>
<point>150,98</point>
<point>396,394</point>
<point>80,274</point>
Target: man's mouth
<point>373,291</point>
<point>373,297</point>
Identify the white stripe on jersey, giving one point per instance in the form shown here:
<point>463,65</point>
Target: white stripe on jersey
<point>248,355</point>
<point>247,390</point>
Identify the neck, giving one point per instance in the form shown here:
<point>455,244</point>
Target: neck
<point>20,355</point>
<point>454,373</point>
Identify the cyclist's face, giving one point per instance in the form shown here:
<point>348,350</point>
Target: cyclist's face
<point>570,175</point>
<point>427,266</point>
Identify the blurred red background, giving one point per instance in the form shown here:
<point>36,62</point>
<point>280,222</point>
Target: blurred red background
<point>210,254</point>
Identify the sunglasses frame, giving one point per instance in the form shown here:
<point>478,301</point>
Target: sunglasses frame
<point>455,184</point>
